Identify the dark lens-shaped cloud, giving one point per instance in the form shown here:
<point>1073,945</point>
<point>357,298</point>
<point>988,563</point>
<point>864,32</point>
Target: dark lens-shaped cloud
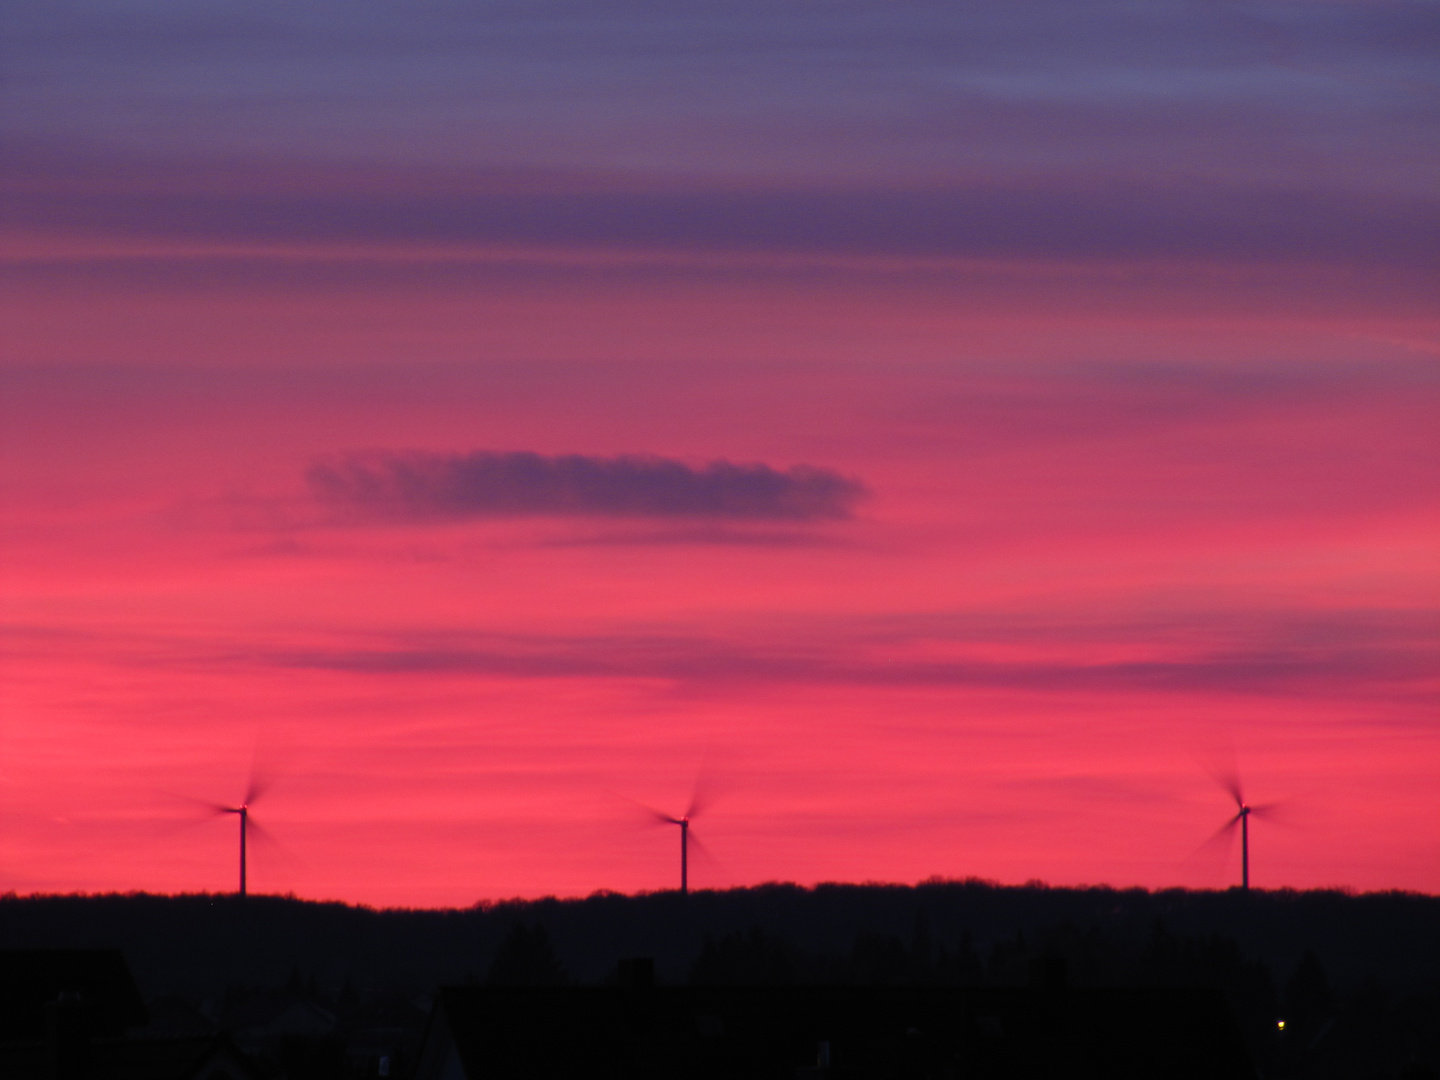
<point>419,486</point>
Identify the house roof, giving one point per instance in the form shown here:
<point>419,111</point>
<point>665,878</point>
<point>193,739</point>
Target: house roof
<point>98,980</point>
<point>211,1057</point>
<point>267,1013</point>
<point>721,1032</point>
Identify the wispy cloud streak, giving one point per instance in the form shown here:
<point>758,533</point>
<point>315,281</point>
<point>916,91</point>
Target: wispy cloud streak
<point>1329,671</point>
<point>1066,221</point>
<point>416,486</point>
<point>1357,654</point>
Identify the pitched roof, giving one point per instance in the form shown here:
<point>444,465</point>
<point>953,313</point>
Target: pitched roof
<point>863,1031</point>
<point>211,1057</point>
<point>97,980</point>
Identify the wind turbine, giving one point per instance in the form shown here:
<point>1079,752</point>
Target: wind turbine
<point>694,809</point>
<point>253,792</point>
<point>1243,811</point>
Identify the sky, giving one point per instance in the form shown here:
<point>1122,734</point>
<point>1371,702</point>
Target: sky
<point>934,438</point>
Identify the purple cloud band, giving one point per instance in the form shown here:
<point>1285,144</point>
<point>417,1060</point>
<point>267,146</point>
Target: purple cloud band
<point>1397,666</point>
<point>1058,221</point>
<point>1386,656</point>
<point>418,486</point>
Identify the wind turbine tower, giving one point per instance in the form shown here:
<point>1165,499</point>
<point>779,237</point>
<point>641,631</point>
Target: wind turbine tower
<point>243,812</point>
<point>1244,816</point>
<point>1243,810</point>
<point>684,823</point>
<point>255,789</point>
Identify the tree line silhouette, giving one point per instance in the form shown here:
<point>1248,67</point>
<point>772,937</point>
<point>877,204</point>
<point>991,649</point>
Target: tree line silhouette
<point>1355,978</point>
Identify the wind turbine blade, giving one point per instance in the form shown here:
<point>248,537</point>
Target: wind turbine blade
<point>703,853</point>
<point>698,847</point>
<point>655,817</point>
<point>259,784</point>
<point>268,840</point>
<point>1229,779</point>
<point>212,809</point>
<point>1272,811</point>
<point>703,794</point>
<point>700,797</point>
<point>658,817</point>
<point>1216,855</point>
<point>1223,765</point>
<point>174,814</point>
<point>262,839</point>
<point>259,832</point>
<point>1221,838</point>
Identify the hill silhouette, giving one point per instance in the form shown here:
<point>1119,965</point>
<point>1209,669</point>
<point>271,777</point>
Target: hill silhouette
<point>185,943</point>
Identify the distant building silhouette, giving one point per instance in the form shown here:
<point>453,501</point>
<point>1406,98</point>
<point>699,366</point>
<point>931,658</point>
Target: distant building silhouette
<point>853,1032</point>
<point>76,1014</point>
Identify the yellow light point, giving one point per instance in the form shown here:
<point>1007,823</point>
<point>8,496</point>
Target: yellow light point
<point>1280,1024</point>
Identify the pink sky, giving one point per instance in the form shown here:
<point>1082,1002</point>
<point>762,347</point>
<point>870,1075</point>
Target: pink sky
<point>1146,438</point>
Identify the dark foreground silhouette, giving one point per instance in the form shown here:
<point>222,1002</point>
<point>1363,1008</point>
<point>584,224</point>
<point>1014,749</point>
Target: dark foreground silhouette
<point>329,990</point>
<point>790,1032</point>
